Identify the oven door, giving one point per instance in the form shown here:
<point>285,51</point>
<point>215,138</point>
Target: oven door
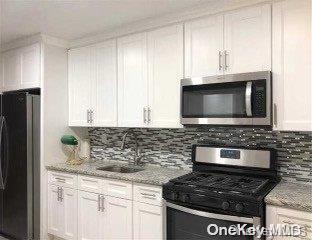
<point>238,99</point>
<point>187,223</point>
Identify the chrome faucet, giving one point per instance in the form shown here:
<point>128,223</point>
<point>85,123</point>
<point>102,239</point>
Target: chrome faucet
<point>137,152</point>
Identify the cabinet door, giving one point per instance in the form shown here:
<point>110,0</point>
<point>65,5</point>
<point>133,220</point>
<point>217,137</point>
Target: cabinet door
<point>165,71</point>
<point>284,216</point>
<point>30,66</point>
<point>55,215</point>
<point>132,80</point>
<point>11,70</point>
<point>203,43</point>
<point>248,39</point>
<point>90,217</point>
<point>69,213</point>
<point>80,85</point>
<point>104,93</point>
<point>148,221</point>
<point>292,60</point>
<point>118,218</point>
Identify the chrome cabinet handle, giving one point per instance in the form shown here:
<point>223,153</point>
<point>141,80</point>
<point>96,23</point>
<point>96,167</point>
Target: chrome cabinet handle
<point>226,66</point>
<point>99,202</point>
<point>148,115</point>
<point>60,179</point>
<point>91,116</point>
<point>61,194</point>
<point>58,194</point>
<point>88,116</point>
<point>102,203</point>
<point>220,60</point>
<point>149,195</point>
<point>144,114</point>
<point>275,114</point>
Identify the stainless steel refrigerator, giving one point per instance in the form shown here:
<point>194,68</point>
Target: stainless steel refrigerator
<point>20,165</point>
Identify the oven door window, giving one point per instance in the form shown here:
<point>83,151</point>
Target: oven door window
<point>224,100</point>
<point>182,225</point>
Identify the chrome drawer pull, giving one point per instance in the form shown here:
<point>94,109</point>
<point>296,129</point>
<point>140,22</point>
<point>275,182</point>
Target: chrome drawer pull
<point>149,195</point>
<point>60,179</point>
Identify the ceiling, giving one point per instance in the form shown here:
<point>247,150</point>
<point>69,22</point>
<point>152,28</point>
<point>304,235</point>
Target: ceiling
<point>79,18</point>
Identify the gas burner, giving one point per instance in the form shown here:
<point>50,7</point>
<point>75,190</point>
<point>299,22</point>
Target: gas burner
<point>221,182</point>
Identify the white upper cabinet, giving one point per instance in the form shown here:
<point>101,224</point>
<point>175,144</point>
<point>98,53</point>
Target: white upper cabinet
<point>93,85</point>
<point>79,83</point>
<point>30,66</point>
<point>248,39</point>
<point>292,84</point>
<point>132,80</point>
<point>165,70</point>
<point>235,42</point>
<point>204,46</point>
<point>21,68</point>
<point>11,68</point>
<point>104,92</point>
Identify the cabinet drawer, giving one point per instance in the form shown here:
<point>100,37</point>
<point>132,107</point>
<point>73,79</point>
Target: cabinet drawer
<point>90,184</point>
<point>116,188</point>
<point>63,179</point>
<point>147,194</point>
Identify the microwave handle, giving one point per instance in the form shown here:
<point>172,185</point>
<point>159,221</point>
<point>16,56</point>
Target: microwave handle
<point>248,99</point>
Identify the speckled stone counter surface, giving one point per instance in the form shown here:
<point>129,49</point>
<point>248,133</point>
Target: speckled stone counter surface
<point>291,195</point>
<point>150,175</point>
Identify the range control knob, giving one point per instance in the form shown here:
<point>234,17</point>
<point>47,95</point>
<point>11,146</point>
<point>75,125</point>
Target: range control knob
<point>185,198</point>
<point>239,207</point>
<point>174,196</point>
<point>225,205</point>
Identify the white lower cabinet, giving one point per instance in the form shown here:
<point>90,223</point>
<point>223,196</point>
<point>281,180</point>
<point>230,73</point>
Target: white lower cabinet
<point>103,209</point>
<point>284,216</point>
<point>147,221</point>
<point>90,216</point>
<point>118,218</point>
<point>54,211</point>
<point>62,212</point>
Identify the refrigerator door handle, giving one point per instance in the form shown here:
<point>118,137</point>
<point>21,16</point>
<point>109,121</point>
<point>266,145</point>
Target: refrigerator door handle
<point>6,151</point>
<point>1,142</point>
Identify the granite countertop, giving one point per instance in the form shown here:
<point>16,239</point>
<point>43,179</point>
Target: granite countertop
<point>291,195</point>
<point>150,175</point>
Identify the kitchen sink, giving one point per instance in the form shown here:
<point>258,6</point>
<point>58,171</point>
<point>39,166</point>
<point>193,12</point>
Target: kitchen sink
<point>120,169</point>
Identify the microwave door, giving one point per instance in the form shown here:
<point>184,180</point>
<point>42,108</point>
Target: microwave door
<point>222,103</point>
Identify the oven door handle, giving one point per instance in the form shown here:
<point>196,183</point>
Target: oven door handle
<point>254,221</point>
<point>248,98</point>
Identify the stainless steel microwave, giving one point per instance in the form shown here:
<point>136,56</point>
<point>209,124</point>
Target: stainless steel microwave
<point>236,99</point>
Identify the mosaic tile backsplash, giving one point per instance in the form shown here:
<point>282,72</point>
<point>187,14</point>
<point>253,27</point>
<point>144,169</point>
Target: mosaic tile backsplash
<point>172,147</point>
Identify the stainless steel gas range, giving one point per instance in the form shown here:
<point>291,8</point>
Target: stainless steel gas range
<point>226,189</point>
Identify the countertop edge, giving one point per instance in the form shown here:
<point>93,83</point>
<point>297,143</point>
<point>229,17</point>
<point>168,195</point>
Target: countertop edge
<point>103,175</point>
<point>287,204</point>
<point>291,195</point>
